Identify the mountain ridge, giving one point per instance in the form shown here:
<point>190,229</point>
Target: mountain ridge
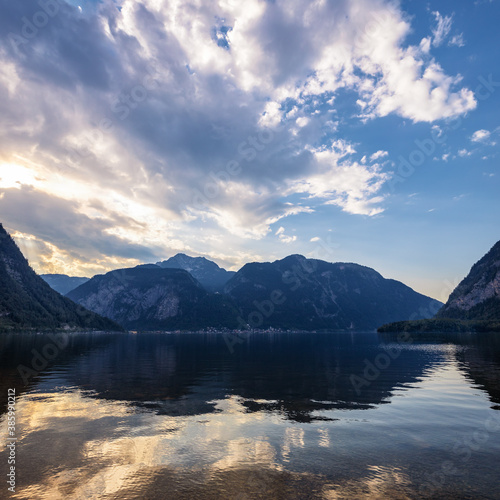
<point>62,283</point>
<point>208,273</point>
<point>148,297</point>
<point>28,302</point>
<point>314,294</point>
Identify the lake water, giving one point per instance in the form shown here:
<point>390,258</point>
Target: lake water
<point>267,416</point>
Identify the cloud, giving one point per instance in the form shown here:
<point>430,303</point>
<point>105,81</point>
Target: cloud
<point>283,237</point>
<point>464,153</point>
<point>378,154</point>
<point>442,28</point>
<point>61,229</point>
<point>196,123</point>
<point>349,185</point>
<point>457,40</point>
<point>441,31</point>
<point>425,45</point>
<point>480,136</point>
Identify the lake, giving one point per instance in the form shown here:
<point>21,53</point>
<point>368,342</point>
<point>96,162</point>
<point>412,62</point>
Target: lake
<point>261,416</point>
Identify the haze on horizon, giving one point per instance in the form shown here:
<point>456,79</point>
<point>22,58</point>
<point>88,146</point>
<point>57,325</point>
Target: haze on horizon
<point>358,130</point>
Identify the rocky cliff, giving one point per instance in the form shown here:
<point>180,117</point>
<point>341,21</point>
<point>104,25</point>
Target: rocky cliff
<point>477,297</point>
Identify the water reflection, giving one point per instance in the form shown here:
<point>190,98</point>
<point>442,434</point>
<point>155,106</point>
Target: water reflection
<point>293,374</point>
<point>169,416</point>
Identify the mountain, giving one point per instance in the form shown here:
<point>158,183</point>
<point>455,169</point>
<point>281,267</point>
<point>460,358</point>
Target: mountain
<point>63,283</point>
<point>474,305</point>
<point>149,297</point>
<point>477,297</point>
<point>28,302</point>
<point>309,294</point>
<point>208,273</point>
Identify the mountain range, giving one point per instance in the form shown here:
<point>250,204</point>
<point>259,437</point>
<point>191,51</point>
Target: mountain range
<point>208,273</point>
<point>311,294</point>
<point>150,297</point>
<point>63,283</point>
<point>292,293</point>
<point>28,302</point>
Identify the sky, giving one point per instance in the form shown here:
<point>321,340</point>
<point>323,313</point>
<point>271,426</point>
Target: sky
<point>359,131</point>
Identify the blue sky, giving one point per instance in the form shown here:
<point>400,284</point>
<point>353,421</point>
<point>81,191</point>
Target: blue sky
<point>358,130</point>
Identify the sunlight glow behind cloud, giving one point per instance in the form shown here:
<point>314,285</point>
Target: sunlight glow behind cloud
<point>168,126</point>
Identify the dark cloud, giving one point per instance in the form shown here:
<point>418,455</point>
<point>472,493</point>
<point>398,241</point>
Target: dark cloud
<point>59,222</point>
<point>53,42</point>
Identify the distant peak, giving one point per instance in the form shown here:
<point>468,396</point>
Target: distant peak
<point>295,256</point>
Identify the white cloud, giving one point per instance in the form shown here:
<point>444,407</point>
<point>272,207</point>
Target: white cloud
<point>438,130</point>
<point>442,28</point>
<point>441,31</point>
<point>457,40</point>
<point>425,45</point>
<point>349,185</point>
<point>302,121</point>
<point>315,238</point>
<point>366,55</point>
<point>480,136</point>
<point>283,237</point>
<point>464,152</point>
<point>379,154</point>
